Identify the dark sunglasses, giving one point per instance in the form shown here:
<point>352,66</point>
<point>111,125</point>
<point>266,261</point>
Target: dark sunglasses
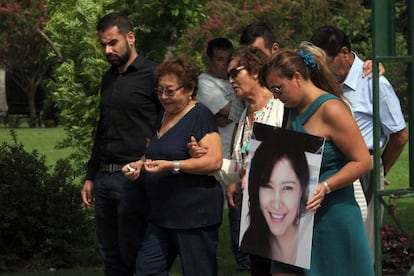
<point>277,90</point>
<point>233,73</point>
<point>167,91</point>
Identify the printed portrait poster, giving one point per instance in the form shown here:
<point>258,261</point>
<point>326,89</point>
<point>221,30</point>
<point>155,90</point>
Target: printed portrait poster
<point>282,172</point>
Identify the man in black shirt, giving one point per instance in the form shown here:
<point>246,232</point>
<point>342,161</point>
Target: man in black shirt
<point>128,109</point>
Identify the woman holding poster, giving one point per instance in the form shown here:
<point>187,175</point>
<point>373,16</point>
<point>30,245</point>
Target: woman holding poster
<point>305,84</point>
<point>243,70</point>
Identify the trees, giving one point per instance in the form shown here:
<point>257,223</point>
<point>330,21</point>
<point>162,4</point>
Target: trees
<point>24,47</point>
<point>161,24</point>
<point>72,27</point>
<point>75,91</point>
<point>291,21</point>
<point>171,26</point>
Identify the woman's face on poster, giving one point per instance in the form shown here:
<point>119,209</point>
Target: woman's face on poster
<point>280,198</point>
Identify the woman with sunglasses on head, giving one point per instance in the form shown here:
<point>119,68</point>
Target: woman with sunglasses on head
<point>304,83</point>
<point>185,202</point>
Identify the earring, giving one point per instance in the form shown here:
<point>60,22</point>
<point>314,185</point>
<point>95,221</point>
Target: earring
<point>190,98</point>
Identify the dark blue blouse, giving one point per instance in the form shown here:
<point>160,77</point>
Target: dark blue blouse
<point>183,201</point>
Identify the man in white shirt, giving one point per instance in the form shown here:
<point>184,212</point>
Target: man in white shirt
<point>348,68</point>
<point>216,93</point>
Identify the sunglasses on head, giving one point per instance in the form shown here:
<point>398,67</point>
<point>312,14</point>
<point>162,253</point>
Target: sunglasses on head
<point>167,91</point>
<point>277,90</point>
<point>233,73</point>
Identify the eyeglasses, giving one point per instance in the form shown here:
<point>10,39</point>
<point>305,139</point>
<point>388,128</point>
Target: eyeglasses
<point>169,92</point>
<point>233,73</point>
<point>277,90</point>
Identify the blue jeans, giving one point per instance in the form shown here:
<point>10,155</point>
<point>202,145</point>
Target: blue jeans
<point>197,249</point>
<point>120,213</point>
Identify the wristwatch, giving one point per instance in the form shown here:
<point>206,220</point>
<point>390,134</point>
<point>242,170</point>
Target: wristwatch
<point>176,168</point>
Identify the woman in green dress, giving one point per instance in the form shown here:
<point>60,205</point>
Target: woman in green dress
<point>304,83</point>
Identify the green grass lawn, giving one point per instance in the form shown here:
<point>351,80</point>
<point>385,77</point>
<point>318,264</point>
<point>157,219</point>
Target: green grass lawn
<point>399,177</point>
<point>44,140</point>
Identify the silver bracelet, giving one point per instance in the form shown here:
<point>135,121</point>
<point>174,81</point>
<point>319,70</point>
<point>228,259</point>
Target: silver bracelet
<point>327,188</point>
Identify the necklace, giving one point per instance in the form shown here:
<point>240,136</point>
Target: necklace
<point>260,116</point>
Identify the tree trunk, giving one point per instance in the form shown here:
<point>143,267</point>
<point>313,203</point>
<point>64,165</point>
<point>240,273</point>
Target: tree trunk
<point>33,120</point>
<point>30,93</point>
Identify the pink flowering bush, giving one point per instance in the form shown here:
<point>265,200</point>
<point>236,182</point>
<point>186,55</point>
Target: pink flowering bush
<point>397,251</point>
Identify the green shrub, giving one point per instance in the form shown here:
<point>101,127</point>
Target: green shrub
<point>42,221</point>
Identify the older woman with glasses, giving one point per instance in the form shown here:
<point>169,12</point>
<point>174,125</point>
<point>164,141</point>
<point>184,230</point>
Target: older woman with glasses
<point>262,107</point>
<point>243,73</point>
<point>185,202</point>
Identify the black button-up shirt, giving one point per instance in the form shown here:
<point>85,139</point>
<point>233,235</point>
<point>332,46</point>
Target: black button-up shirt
<point>128,110</point>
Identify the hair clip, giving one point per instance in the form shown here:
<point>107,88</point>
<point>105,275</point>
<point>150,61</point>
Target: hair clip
<point>308,59</point>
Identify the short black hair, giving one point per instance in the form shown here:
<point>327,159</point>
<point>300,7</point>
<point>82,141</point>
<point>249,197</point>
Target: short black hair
<point>220,43</point>
<point>257,29</point>
<point>113,19</point>
<point>330,39</point>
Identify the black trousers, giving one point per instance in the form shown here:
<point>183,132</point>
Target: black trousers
<point>120,214</point>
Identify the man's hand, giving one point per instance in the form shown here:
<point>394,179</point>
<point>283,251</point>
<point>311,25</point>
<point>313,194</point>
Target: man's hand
<point>194,148</point>
<point>230,191</point>
<point>86,193</point>
<point>233,194</point>
<point>242,174</point>
<point>222,120</point>
<point>367,69</point>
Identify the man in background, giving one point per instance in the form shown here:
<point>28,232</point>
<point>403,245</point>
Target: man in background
<point>260,35</point>
<point>348,68</point>
<point>215,91</point>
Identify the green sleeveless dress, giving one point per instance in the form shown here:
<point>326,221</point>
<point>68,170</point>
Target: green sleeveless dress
<point>339,242</point>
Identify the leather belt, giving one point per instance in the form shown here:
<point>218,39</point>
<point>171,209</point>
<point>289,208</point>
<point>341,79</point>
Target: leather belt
<point>111,167</point>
